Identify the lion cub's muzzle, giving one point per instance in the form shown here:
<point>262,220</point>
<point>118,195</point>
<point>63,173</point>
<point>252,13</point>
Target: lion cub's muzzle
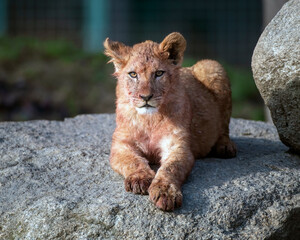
<point>148,105</point>
<point>146,101</point>
<point>146,98</point>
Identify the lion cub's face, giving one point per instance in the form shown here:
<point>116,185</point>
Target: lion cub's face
<point>145,70</point>
<point>146,77</point>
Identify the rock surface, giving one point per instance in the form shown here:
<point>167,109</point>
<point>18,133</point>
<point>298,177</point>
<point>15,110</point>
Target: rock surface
<point>276,70</point>
<point>56,183</point>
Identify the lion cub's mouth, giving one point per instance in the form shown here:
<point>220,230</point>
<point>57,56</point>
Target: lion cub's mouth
<point>147,105</point>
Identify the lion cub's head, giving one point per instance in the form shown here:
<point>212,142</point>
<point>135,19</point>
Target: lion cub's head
<point>146,70</point>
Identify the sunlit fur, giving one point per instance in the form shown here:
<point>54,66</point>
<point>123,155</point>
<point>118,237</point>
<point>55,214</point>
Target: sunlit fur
<point>187,117</point>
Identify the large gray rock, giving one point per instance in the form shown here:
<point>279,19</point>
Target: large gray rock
<point>56,183</point>
<point>276,70</point>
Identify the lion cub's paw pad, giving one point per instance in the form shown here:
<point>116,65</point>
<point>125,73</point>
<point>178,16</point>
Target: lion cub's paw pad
<point>165,196</point>
<point>138,182</point>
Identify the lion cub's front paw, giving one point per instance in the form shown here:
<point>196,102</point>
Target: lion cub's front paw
<point>139,181</point>
<point>166,196</point>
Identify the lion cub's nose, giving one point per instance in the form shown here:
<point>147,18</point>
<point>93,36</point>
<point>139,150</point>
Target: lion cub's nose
<point>146,98</point>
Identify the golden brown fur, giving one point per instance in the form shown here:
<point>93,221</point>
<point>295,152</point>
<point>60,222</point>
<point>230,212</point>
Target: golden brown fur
<point>187,116</point>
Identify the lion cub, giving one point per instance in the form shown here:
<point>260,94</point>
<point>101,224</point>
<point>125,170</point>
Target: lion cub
<point>166,115</point>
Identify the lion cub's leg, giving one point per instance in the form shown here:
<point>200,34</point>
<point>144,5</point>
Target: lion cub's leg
<point>176,163</point>
<point>136,170</point>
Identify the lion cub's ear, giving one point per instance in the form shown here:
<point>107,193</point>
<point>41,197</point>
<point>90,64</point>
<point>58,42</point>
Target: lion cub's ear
<point>118,52</point>
<point>174,44</point>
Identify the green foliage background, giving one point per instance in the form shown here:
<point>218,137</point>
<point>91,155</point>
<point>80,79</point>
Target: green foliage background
<point>55,79</point>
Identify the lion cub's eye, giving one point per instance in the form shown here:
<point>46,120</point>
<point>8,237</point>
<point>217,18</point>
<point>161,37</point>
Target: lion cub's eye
<point>159,73</point>
<point>133,74</point>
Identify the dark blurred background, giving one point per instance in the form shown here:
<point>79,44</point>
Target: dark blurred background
<point>51,60</point>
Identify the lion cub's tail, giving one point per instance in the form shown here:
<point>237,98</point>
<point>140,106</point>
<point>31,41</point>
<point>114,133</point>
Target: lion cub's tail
<point>213,76</point>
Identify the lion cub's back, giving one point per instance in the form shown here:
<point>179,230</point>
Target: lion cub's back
<point>214,77</point>
<point>206,117</point>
